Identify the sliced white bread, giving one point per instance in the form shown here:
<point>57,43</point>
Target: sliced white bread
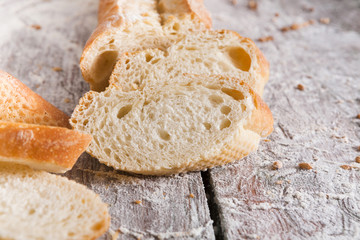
<point>26,135</point>
<point>127,26</point>
<point>207,52</point>
<point>18,103</point>
<point>39,205</point>
<point>189,123</point>
<point>52,149</point>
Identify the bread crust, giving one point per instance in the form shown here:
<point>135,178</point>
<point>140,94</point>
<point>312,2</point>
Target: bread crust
<point>35,104</point>
<point>110,21</point>
<point>53,149</point>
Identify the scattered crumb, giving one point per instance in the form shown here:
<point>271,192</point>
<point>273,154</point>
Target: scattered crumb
<point>300,87</point>
<point>288,181</point>
<point>115,235</point>
<point>138,202</point>
<point>266,39</point>
<point>297,26</point>
<point>234,2</point>
<point>357,159</point>
<point>279,182</point>
<point>324,20</point>
<point>66,100</point>
<point>277,165</point>
<point>358,148</point>
<point>308,9</point>
<point>37,86</point>
<point>57,69</point>
<point>36,26</point>
<point>346,167</point>
<point>308,76</point>
<point>252,4</point>
<point>276,14</point>
<point>267,140</point>
<point>358,116</point>
<point>305,166</point>
<point>191,195</point>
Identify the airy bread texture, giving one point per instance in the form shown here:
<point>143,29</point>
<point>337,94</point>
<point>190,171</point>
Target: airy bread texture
<point>26,135</point>
<point>188,123</point>
<point>207,52</point>
<point>127,26</point>
<point>18,103</point>
<point>53,149</point>
<point>39,205</point>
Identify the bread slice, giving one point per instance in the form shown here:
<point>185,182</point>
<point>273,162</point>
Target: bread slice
<point>26,135</point>
<point>189,123</point>
<point>208,52</point>
<point>53,149</point>
<point>18,103</point>
<point>40,205</point>
<point>127,26</point>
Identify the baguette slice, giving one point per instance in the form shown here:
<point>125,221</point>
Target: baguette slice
<point>185,124</point>
<point>208,52</point>
<point>127,26</point>
<point>40,205</point>
<point>53,149</point>
<point>18,103</point>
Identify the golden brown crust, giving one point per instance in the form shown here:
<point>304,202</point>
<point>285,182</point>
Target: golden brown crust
<point>36,144</point>
<point>35,105</point>
<point>198,7</point>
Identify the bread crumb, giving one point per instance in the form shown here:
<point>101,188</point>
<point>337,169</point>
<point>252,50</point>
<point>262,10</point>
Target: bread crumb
<point>234,2</point>
<point>115,235</point>
<point>37,86</point>
<point>266,39</point>
<point>300,87</point>
<point>358,116</point>
<point>357,159</point>
<point>305,166</point>
<point>276,14</point>
<point>267,140</point>
<point>66,100</point>
<point>324,20</point>
<point>277,165</point>
<point>191,195</point>
<point>36,26</point>
<point>252,4</point>
<point>358,148</point>
<point>288,181</point>
<point>297,26</point>
<point>57,69</point>
<point>279,182</point>
<point>346,167</point>
<point>308,9</point>
<point>137,202</point>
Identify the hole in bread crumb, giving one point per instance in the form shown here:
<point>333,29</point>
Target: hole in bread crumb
<point>215,99</point>
<point>71,234</point>
<point>148,57</point>
<point>123,111</point>
<point>98,226</point>
<point>164,134</point>
<point>225,110</point>
<point>155,60</point>
<point>103,67</point>
<point>107,152</point>
<point>111,41</point>
<point>31,211</point>
<point>127,61</point>
<point>86,121</point>
<point>240,58</point>
<point>235,94</point>
<point>225,123</point>
<point>176,27</point>
<point>207,126</point>
<point>243,107</point>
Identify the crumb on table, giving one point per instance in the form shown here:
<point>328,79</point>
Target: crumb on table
<point>137,202</point>
<point>252,4</point>
<point>277,165</point>
<point>305,166</point>
<point>357,159</point>
<point>266,39</point>
<point>324,20</point>
<point>191,195</point>
<point>57,69</point>
<point>300,87</point>
<point>36,26</point>
<point>297,26</point>
<point>346,167</point>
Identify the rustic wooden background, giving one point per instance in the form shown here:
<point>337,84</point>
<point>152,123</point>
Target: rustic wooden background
<point>41,43</point>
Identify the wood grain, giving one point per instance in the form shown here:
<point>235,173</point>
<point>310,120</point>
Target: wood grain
<point>317,126</point>
<point>31,53</point>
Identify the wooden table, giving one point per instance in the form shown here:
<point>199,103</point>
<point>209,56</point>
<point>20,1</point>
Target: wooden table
<point>247,199</point>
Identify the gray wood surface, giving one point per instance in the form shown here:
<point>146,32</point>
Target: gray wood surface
<point>247,199</point>
<point>317,125</point>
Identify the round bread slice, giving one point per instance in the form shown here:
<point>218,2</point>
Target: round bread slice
<point>184,124</point>
<point>53,149</point>
<point>40,205</point>
<point>207,52</point>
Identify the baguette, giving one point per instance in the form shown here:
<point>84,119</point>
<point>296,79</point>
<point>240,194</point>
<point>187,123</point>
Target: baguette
<point>170,126</point>
<point>127,26</point>
<point>40,205</point>
<point>26,133</point>
<point>18,103</point>
<point>208,52</point>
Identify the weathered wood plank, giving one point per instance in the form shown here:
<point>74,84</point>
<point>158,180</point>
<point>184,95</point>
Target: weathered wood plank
<point>166,210</point>
<point>317,125</point>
